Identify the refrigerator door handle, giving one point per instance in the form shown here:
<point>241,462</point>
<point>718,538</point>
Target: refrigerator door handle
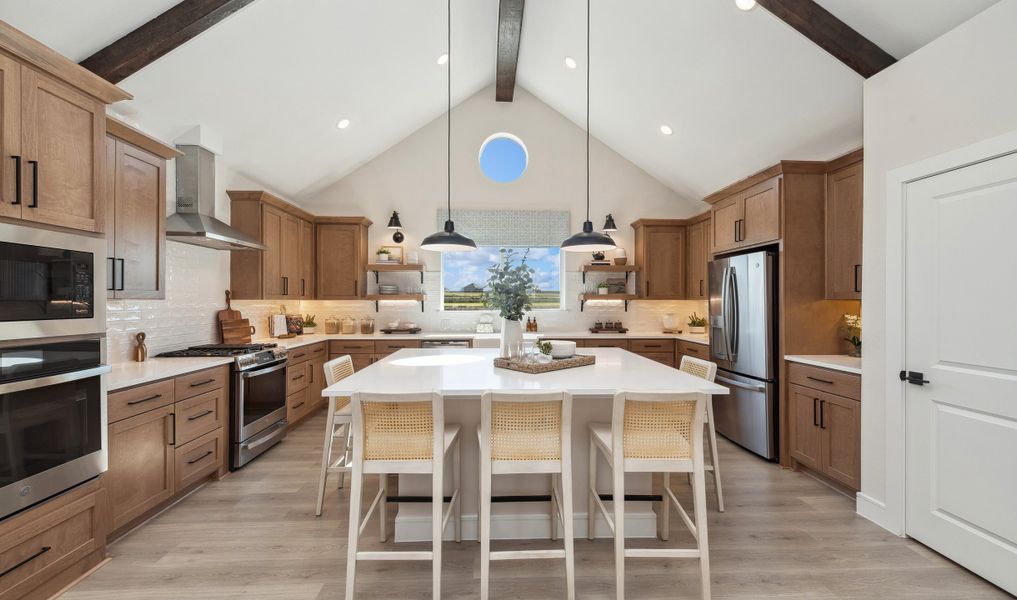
<point>738,384</point>
<point>731,325</point>
<point>723,313</point>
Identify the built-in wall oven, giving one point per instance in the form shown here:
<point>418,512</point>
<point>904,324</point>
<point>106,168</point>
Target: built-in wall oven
<point>50,283</point>
<point>52,419</point>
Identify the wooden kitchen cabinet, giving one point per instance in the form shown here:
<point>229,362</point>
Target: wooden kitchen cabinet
<point>660,256</point>
<point>697,259</point>
<point>135,212</point>
<point>11,169</point>
<point>141,464</point>
<point>825,428</point>
<point>747,218</point>
<point>341,267</point>
<point>307,289</point>
<point>844,233</point>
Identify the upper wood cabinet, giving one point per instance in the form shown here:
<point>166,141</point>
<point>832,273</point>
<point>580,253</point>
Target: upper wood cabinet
<point>135,212</point>
<point>844,232</point>
<point>748,217</point>
<point>660,254</point>
<point>307,266</point>
<point>12,167</point>
<point>697,258</point>
<point>279,272</point>
<point>341,257</point>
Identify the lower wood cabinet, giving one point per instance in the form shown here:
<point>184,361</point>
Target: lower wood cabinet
<point>825,432</point>
<point>164,437</point>
<point>365,353</point>
<point>305,379</point>
<point>141,463</point>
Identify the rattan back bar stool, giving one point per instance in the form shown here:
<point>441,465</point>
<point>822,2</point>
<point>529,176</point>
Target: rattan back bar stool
<point>337,427</point>
<point>527,432</point>
<point>402,433</point>
<point>652,432</point>
<point>707,370</point>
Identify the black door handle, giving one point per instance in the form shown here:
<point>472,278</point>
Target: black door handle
<point>286,286</point>
<point>913,377</point>
<point>822,416</point>
<point>303,287</point>
<point>123,267</point>
<point>815,412</point>
<point>42,551</point>
<point>858,287</point>
<point>17,180</point>
<point>112,274</point>
<point>35,184</point>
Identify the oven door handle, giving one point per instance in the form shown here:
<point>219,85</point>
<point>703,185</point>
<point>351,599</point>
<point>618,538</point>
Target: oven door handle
<point>266,437</point>
<point>28,384</point>
<point>258,372</point>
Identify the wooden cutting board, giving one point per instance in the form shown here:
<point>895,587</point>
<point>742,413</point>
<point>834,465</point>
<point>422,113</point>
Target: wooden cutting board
<point>238,331</point>
<point>228,314</point>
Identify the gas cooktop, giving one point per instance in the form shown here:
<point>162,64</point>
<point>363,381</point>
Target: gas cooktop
<point>217,350</point>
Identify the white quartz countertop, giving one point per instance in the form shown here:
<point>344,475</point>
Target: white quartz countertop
<point>468,372</point>
<point>130,374</point>
<point>837,362</point>
<point>304,340</point>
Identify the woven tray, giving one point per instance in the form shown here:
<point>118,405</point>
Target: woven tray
<point>580,360</point>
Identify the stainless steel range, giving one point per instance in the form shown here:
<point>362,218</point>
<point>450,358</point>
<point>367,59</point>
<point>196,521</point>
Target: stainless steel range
<point>257,396</point>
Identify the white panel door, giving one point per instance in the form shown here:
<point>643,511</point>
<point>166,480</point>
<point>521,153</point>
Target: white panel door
<point>961,334</point>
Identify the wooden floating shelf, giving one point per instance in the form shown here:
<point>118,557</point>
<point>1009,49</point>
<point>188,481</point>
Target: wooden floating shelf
<point>610,269</point>
<point>387,268</point>
<point>377,298</point>
<point>626,298</point>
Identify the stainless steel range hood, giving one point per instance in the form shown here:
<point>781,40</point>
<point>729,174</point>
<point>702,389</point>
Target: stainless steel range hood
<point>195,222</point>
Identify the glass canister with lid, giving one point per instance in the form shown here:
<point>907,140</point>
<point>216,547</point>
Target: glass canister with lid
<point>332,325</point>
<point>366,325</point>
<point>348,325</point>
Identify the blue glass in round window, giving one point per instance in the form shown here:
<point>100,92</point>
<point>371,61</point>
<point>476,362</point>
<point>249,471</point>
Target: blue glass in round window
<point>503,157</point>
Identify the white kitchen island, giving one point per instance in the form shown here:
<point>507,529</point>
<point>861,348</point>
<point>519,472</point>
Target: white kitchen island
<point>463,374</point>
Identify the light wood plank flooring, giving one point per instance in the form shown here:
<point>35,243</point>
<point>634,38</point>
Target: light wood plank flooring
<point>253,536</point>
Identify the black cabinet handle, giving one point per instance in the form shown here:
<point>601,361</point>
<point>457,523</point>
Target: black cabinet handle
<point>822,415</point>
<point>17,180</point>
<point>201,383</point>
<point>198,416</point>
<point>296,406</point>
<point>112,274</point>
<point>301,376</point>
<point>286,286</point>
<point>123,268</point>
<point>826,381</point>
<point>815,420</point>
<point>149,399</point>
<point>200,458</point>
<point>858,287</point>
<point>35,184</point>
<point>41,551</point>
<point>303,287</point>
<point>700,287</point>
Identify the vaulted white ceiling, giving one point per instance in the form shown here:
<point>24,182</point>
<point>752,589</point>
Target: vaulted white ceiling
<point>741,90</point>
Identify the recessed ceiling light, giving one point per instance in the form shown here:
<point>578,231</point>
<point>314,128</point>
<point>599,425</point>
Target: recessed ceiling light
<point>745,4</point>
<point>666,130</point>
<point>570,62</point>
<point>343,124</point>
<point>443,59</point>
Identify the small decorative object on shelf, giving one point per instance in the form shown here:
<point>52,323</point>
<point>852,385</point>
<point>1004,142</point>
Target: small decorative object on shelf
<point>141,350</point>
<point>309,324</point>
<point>602,288</point>
<point>608,327</point>
<point>697,324</point>
<point>619,256</point>
<point>389,255</point>
<point>485,324</point>
<point>616,286</point>
<point>852,326</point>
<point>510,290</point>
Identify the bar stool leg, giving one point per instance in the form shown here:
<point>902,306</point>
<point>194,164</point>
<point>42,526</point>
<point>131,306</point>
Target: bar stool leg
<point>485,521</point>
<point>665,508</point>
<point>437,511</point>
<point>591,501</point>
<point>568,525</point>
<point>347,451</point>
<point>457,515</point>
<point>383,508</point>
<point>554,507</point>
<point>326,456</point>
<point>714,458</point>
<point>699,506</point>
<point>356,488</point>
<point>618,489</point>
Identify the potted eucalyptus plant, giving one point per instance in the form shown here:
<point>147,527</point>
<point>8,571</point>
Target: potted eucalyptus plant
<point>510,290</point>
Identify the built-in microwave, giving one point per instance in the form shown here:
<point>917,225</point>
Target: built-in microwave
<point>50,283</point>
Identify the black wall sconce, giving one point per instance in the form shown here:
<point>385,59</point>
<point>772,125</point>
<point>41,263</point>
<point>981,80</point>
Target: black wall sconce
<point>393,223</point>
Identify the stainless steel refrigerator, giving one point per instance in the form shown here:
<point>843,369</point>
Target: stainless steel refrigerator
<point>743,341</point>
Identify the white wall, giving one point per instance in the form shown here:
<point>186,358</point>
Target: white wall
<point>959,89</point>
<point>410,177</point>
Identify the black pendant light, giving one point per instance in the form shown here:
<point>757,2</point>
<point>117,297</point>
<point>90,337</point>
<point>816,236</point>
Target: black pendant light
<point>609,224</point>
<point>448,240</point>
<point>588,240</point>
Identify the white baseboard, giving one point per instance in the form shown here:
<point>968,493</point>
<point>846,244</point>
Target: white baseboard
<point>534,526</point>
<point>878,513</point>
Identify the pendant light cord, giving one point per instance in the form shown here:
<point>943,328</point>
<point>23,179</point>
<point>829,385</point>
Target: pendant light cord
<point>448,117</point>
<point>587,110</point>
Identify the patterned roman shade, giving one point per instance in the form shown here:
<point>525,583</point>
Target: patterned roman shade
<point>510,228</point>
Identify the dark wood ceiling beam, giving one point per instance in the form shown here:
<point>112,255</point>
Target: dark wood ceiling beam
<point>510,29</point>
<point>147,43</point>
<point>831,34</point>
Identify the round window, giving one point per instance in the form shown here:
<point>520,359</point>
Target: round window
<point>503,157</point>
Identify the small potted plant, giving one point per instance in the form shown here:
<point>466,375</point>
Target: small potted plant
<point>309,323</point>
<point>697,324</point>
<point>852,326</point>
<point>602,288</point>
<point>383,255</point>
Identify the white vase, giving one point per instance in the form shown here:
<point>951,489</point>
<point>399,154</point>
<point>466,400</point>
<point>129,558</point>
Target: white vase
<point>511,334</point>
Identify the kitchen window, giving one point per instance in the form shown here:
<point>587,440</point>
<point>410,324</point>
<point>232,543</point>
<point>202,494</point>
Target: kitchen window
<point>531,233</point>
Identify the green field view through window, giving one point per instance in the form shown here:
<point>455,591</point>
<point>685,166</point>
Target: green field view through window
<point>464,276</point>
